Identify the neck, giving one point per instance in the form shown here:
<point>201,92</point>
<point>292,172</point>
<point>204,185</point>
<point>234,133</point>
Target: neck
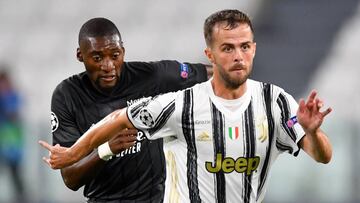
<point>224,92</point>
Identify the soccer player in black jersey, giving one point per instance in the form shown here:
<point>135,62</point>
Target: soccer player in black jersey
<point>136,171</point>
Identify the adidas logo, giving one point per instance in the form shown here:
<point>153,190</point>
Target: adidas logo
<point>203,137</point>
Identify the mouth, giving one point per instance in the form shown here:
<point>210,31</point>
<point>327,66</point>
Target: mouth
<point>108,78</point>
<point>237,69</point>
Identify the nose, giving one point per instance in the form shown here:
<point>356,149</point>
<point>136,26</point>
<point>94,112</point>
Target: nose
<point>107,65</point>
<point>238,55</point>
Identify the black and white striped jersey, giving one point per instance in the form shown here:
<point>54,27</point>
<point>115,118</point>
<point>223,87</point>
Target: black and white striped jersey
<point>223,149</point>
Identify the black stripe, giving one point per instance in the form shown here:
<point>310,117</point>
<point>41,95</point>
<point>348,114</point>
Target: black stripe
<point>283,147</point>
<point>249,148</point>
<point>135,110</point>
<point>285,116</point>
<point>189,134</point>
<point>163,117</point>
<point>267,94</point>
<point>219,148</point>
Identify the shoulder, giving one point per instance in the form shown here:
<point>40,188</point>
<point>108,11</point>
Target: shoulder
<point>143,64</point>
<point>265,89</point>
<point>67,85</point>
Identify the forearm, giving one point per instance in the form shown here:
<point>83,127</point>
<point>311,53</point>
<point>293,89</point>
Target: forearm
<point>80,173</point>
<point>318,146</point>
<point>99,133</point>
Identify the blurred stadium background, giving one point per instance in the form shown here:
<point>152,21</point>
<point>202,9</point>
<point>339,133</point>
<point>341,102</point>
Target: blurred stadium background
<point>301,45</point>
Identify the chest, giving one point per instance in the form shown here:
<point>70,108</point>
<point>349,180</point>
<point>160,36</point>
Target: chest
<point>219,134</point>
<point>89,110</point>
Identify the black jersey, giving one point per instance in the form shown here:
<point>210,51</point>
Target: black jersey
<point>136,174</point>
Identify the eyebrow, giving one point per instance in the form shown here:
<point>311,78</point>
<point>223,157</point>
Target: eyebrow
<point>231,44</point>
<point>95,52</point>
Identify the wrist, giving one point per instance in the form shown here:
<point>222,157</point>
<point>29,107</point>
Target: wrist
<point>105,152</point>
<point>313,133</point>
<point>73,158</point>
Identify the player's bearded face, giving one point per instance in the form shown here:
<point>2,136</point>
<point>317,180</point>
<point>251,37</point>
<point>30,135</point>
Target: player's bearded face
<point>233,81</point>
<point>232,52</point>
<point>103,58</point>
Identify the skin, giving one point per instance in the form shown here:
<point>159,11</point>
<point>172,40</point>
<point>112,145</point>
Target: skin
<point>231,54</point>
<point>103,58</point>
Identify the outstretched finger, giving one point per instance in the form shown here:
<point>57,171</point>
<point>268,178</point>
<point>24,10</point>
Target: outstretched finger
<point>301,105</point>
<point>45,145</point>
<point>311,97</point>
<point>315,106</point>
<point>327,111</point>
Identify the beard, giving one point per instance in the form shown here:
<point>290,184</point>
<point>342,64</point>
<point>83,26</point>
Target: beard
<point>232,82</point>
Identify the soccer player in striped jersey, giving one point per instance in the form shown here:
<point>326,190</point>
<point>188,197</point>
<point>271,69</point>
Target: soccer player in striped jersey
<point>227,131</point>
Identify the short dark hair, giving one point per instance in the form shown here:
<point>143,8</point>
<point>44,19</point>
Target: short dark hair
<point>98,27</point>
<point>232,17</point>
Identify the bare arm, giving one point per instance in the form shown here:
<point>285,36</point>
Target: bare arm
<point>315,142</point>
<point>317,146</point>
<point>82,172</point>
<point>105,129</point>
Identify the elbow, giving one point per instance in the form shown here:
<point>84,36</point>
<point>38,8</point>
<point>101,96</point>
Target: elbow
<point>71,182</point>
<point>72,185</point>
<point>325,159</point>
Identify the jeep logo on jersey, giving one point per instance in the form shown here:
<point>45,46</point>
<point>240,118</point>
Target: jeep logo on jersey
<point>54,122</point>
<point>228,164</point>
<point>146,118</point>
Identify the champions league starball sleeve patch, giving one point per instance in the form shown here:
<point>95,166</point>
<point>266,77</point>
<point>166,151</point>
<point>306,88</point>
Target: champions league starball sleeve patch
<point>54,122</point>
<point>146,118</point>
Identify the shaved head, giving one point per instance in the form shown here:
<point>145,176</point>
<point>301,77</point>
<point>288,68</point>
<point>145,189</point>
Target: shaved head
<point>98,27</point>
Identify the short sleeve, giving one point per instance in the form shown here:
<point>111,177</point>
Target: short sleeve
<point>63,125</point>
<point>288,133</point>
<point>154,115</point>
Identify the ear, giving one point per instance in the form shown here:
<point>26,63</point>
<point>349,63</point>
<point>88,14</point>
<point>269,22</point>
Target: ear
<point>209,54</point>
<point>79,55</point>
<point>254,49</point>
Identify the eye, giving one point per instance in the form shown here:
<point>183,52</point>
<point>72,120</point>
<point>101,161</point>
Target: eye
<point>116,55</point>
<point>245,47</point>
<point>227,49</point>
<point>96,58</point>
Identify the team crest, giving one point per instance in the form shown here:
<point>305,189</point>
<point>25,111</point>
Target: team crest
<point>54,122</point>
<point>263,128</point>
<point>146,118</point>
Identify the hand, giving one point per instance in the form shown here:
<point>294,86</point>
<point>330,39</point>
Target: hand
<point>309,115</point>
<point>59,157</point>
<point>124,140</point>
